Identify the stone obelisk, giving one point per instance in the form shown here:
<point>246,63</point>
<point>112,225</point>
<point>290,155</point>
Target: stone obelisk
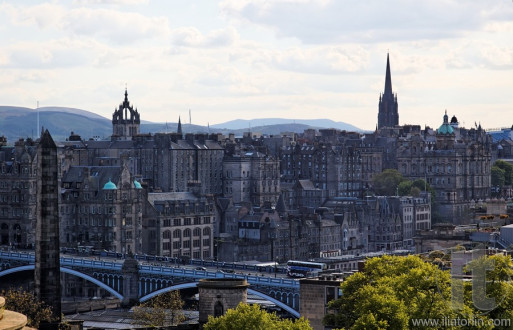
<point>47,268</point>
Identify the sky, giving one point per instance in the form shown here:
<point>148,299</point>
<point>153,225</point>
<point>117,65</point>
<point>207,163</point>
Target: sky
<point>247,59</point>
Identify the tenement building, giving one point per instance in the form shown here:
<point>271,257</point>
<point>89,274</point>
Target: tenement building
<point>18,186</point>
<point>101,208</point>
<point>179,224</point>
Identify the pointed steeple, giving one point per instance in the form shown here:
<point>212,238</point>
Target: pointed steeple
<point>388,115</point>
<point>388,78</point>
<point>179,129</point>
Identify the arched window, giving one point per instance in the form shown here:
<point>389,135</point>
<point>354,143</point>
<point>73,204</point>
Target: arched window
<point>206,231</point>
<point>177,233</point>
<point>167,234</point>
<point>187,233</point>
<point>197,232</point>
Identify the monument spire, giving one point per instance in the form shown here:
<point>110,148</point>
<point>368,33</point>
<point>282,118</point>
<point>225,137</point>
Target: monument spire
<point>388,78</point>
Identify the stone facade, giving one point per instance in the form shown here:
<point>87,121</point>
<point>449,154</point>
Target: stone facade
<point>179,225</point>
<point>47,256</point>
<point>101,208</point>
<point>315,295</point>
<point>216,296</point>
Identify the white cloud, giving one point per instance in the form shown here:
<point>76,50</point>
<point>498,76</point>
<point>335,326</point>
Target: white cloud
<point>110,2</point>
<point>367,21</point>
<point>115,26</point>
<point>192,37</point>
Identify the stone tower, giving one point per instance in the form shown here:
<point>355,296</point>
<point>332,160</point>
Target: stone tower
<point>47,266</point>
<point>218,295</point>
<point>125,121</point>
<point>388,115</point>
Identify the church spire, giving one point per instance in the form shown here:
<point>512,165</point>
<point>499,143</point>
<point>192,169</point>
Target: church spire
<point>388,78</point>
<point>388,115</point>
<point>179,129</point>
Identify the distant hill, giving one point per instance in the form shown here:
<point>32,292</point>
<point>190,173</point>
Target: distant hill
<point>20,122</point>
<point>253,123</point>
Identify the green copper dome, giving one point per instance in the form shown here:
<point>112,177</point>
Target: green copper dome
<point>110,186</point>
<point>446,128</point>
<point>137,184</point>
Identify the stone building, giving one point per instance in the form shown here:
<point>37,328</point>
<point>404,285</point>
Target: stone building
<point>18,186</point>
<point>315,295</point>
<point>166,162</point>
<point>101,208</point>
<point>251,177</point>
<point>179,224</point>
<point>456,162</point>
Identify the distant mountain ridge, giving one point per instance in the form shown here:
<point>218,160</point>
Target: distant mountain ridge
<point>21,122</point>
<point>249,123</point>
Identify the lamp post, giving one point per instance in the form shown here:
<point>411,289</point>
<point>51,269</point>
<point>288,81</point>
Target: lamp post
<point>275,266</point>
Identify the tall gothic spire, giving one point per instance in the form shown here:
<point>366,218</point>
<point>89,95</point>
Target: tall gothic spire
<point>388,78</point>
<point>179,129</point>
<point>388,115</point>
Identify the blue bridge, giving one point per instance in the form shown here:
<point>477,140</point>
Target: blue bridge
<point>155,279</point>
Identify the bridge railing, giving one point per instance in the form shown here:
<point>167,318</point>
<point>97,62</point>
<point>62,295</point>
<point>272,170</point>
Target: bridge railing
<point>65,261</point>
<point>199,274</point>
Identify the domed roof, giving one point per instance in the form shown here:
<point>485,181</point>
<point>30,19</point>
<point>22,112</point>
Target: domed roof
<point>454,120</point>
<point>446,129</point>
<point>137,184</point>
<point>109,186</point>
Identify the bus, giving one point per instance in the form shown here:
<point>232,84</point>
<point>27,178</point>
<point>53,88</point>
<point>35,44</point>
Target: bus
<point>297,268</point>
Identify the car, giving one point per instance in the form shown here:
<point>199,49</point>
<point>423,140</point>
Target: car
<point>201,268</point>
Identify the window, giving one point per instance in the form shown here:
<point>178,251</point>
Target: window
<point>206,231</point>
<point>177,222</point>
<point>177,233</point>
<point>197,232</point>
<point>166,234</point>
<point>187,233</point>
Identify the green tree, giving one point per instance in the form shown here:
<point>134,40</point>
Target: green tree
<point>251,317</point>
<point>498,177</point>
<point>404,188</point>
<point>508,171</point>
<point>26,303</point>
<point>163,310</point>
<point>392,292</point>
<point>387,182</point>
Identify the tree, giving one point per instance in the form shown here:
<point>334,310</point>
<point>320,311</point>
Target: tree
<point>163,310</point>
<point>26,303</point>
<point>251,317</point>
<point>392,292</point>
<point>498,177</point>
<point>508,171</point>
<point>387,182</point>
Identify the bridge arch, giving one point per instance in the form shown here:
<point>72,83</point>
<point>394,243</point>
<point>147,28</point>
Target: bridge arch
<point>289,309</point>
<point>67,271</point>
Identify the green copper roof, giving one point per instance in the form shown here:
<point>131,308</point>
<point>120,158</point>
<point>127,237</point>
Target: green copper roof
<point>137,184</point>
<point>110,186</point>
<point>446,128</point>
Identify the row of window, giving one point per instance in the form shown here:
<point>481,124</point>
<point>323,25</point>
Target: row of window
<point>187,221</point>
<point>166,246</point>
<point>177,233</point>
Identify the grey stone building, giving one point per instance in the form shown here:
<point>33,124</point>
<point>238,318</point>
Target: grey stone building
<point>18,187</point>
<point>179,224</point>
<point>251,176</point>
<point>101,208</point>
